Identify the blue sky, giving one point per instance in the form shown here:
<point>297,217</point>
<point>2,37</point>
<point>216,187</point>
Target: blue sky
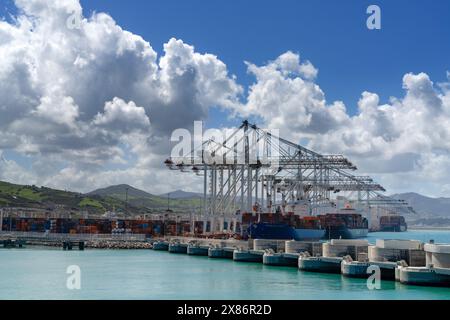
<point>331,34</point>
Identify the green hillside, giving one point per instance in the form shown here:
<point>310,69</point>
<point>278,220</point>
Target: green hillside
<point>13,195</point>
<point>95,202</point>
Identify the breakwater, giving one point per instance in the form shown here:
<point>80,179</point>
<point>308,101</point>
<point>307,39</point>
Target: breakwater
<point>148,274</point>
<point>408,261</point>
<point>69,241</point>
<point>96,244</point>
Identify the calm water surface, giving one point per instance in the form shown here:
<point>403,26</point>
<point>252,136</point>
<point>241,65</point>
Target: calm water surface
<point>146,274</point>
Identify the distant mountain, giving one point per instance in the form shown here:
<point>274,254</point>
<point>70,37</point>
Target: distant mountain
<point>136,197</point>
<point>180,194</point>
<point>119,191</point>
<point>139,201</point>
<point>426,206</point>
<point>187,202</point>
<point>96,202</point>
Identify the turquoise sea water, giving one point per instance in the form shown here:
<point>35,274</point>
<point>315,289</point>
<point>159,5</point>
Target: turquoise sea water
<point>146,274</point>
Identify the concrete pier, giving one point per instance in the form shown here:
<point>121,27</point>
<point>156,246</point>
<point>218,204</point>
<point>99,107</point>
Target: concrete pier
<point>228,252</point>
<point>424,276</point>
<point>281,259</point>
<point>436,272</point>
<point>161,246</point>
<point>319,264</point>
<point>313,247</point>
<point>332,255</point>
<point>341,248</point>
<point>437,255</point>
<point>214,252</point>
<point>68,245</point>
<point>263,244</point>
<point>219,252</point>
<point>386,254</point>
<point>13,243</point>
<point>248,255</point>
<point>358,269</point>
<point>354,269</point>
<point>177,247</point>
<point>410,251</point>
<point>408,261</point>
<point>197,250</point>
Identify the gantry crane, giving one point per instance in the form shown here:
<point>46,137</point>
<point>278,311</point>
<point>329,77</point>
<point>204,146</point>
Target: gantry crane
<point>256,170</point>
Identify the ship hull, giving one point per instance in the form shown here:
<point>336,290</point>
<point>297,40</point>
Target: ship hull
<point>271,231</point>
<point>396,228</point>
<point>309,234</point>
<point>283,232</point>
<point>345,233</point>
<point>393,223</point>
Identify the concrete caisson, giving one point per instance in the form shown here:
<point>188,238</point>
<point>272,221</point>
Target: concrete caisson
<point>341,248</point>
<point>263,244</point>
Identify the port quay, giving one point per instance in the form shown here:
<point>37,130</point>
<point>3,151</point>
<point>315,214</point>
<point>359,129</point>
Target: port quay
<point>298,214</point>
<point>407,261</point>
<point>302,182</point>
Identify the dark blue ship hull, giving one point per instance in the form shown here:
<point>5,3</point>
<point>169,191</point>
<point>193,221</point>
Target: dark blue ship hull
<point>280,231</point>
<point>343,232</point>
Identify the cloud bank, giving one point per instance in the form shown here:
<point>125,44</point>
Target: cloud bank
<point>92,104</point>
<point>87,95</point>
<point>405,142</point>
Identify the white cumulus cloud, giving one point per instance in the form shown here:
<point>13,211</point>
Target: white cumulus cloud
<point>407,138</point>
<point>93,104</point>
<point>79,92</point>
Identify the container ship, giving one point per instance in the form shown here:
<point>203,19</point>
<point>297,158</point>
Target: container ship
<point>306,228</point>
<point>387,222</point>
<point>341,224</point>
<point>345,225</point>
<point>393,223</point>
